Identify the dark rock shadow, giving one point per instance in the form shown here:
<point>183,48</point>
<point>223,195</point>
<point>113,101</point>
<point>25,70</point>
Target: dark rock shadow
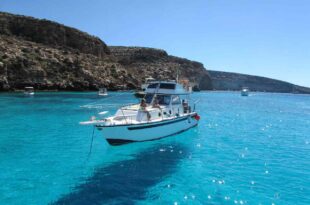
<point>127,181</point>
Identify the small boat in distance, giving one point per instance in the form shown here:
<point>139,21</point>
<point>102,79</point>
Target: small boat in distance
<point>166,110</point>
<point>29,91</point>
<point>102,92</point>
<point>245,91</point>
<point>196,88</point>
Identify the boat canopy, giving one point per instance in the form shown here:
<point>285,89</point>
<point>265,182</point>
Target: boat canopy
<point>149,80</point>
<point>166,87</point>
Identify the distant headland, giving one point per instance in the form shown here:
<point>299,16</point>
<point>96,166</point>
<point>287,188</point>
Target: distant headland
<point>50,56</point>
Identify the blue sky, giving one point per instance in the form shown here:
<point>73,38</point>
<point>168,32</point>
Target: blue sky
<point>269,38</point>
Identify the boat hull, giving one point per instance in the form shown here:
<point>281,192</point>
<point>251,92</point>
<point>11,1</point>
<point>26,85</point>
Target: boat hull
<point>116,135</point>
<point>244,93</point>
<point>28,93</point>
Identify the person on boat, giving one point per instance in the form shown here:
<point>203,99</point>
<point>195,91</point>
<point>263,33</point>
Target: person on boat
<point>185,106</point>
<point>156,103</point>
<point>143,106</point>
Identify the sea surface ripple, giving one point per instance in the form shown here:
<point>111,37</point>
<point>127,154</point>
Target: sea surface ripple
<point>245,150</point>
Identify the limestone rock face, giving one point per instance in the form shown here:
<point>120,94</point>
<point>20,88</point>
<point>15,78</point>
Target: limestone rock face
<point>50,34</point>
<point>51,56</point>
<point>25,63</point>
<point>149,62</point>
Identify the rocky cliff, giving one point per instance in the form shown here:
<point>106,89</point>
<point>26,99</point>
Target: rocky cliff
<point>158,64</point>
<point>26,63</point>
<point>50,33</point>
<point>49,55</point>
<point>235,81</point>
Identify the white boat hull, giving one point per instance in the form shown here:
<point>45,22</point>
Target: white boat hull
<point>121,134</point>
<point>28,93</point>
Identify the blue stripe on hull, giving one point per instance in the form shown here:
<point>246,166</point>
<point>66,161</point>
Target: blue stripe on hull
<point>156,125</point>
<point>121,141</point>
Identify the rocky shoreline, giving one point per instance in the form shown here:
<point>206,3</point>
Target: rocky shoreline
<point>234,81</point>
<point>51,56</point>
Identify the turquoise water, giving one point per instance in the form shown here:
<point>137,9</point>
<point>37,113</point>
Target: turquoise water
<point>246,150</point>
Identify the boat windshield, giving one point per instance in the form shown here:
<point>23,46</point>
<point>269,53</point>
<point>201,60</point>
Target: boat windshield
<point>154,85</point>
<point>148,98</point>
<point>163,99</point>
<point>176,100</point>
<point>167,86</point>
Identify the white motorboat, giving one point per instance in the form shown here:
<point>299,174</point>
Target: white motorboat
<point>165,111</point>
<point>244,91</point>
<point>29,91</point>
<point>102,92</point>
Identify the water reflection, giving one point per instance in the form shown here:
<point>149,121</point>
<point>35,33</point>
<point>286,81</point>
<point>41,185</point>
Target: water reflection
<point>127,181</point>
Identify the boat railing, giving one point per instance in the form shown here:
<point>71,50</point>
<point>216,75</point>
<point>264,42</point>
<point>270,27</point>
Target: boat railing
<point>127,105</point>
<point>128,119</point>
<point>194,105</point>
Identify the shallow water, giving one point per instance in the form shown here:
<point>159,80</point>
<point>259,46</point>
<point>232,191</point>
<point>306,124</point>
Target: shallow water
<point>246,150</point>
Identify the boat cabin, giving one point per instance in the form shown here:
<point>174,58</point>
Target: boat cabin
<point>163,100</point>
<point>102,92</point>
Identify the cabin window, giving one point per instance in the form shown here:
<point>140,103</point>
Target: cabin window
<point>167,86</point>
<point>163,99</point>
<point>154,85</point>
<point>148,98</point>
<point>176,100</point>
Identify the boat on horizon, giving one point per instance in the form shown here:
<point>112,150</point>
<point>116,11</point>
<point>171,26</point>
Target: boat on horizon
<point>29,91</point>
<point>166,110</point>
<point>245,91</point>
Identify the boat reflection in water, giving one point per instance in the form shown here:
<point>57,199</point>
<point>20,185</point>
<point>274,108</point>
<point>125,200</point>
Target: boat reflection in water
<point>126,181</point>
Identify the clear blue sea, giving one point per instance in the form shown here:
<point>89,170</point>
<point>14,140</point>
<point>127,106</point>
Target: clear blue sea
<point>245,150</point>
